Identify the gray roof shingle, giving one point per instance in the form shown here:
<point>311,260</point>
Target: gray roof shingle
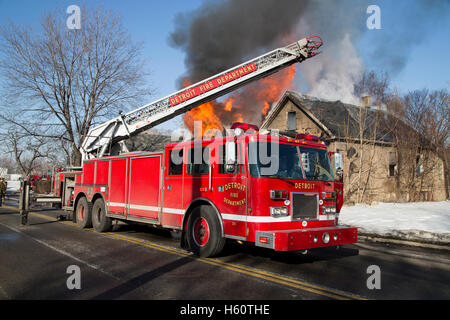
<point>343,120</point>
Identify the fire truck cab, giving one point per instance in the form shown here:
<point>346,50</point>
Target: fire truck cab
<point>276,192</point>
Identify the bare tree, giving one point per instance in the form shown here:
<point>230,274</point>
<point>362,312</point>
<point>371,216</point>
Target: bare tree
<point>365,129</point>
<point>28,151</point>
<point>8,163</point>
<point>61,81</point>
<point>423,140</point>
<point>376,85</point>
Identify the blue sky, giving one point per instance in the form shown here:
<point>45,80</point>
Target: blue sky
<point>152,21</point>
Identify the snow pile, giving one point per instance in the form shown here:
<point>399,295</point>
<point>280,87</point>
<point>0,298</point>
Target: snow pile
<point>423,221</point>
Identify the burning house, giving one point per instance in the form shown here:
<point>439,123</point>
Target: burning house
<point>378,165</point>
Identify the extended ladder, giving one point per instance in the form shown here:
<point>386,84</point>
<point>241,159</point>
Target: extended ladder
<point>102,137</point>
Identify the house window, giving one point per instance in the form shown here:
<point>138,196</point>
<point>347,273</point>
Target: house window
<point>392,170</point>
<point>420,169</point>
<point>351,152</point>
<point>392,158</point>
<point>292,120</point>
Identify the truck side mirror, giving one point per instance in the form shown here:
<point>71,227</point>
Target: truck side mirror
<point>230,156</point>
<point>339,164</point>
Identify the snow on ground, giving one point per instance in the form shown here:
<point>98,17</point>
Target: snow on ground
<point>412,221</point>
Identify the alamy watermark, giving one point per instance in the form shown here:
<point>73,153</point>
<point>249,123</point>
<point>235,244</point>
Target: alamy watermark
<point>74,280</point>
<point>265,153</point>
<point>374,280</point>
<point>74,19</point>
<point>374,20</point>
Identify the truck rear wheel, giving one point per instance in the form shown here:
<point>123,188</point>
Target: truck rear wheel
<point>100,221</point>
<point>83,213</point>
<point>204,232</point>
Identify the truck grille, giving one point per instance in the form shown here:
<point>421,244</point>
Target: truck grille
<point>304,205</point>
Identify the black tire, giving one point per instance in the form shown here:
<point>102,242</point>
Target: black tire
<point>211,245</point>
<point>100,221</point>
<point>83,214</point>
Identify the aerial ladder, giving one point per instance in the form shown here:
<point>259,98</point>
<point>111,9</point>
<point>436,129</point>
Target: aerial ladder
<point>101,138</point>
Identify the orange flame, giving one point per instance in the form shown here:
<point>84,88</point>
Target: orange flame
<point>204,113</point>
<point>243,105</point>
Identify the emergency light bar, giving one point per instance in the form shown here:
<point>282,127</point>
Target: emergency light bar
<point>310,137</point>
<point>244,126</point>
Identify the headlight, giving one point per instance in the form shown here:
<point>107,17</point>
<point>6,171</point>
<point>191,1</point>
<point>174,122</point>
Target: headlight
<point>326,237</point>
<point>278,194</point>
<point>279,212</point>
<point>328,195</point>
<point>329,209</point>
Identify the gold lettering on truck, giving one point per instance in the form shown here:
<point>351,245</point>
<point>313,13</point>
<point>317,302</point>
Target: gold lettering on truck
<point>304,185</point>
<point>234,186</point>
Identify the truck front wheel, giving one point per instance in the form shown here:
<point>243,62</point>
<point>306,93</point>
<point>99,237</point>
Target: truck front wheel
<point>100,221</point>
<point>83,213</point>
<point>204,232</point>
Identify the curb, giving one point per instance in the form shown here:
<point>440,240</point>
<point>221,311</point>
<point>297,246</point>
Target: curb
<point>404,254</point>
<point>380,239</point>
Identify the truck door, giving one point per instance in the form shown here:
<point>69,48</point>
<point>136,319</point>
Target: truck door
<point>144,187</point>
<point>230,193</point>
<point>117,186</point>
<point>197,174</point>
<point>172,215</point>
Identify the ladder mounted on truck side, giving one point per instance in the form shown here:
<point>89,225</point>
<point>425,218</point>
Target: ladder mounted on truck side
<point>102,137</point>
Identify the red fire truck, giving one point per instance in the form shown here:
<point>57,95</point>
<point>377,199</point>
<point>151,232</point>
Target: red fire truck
<point>213,189</point>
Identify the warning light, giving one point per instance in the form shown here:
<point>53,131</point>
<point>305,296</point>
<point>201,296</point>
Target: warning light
<point>244,126</point>
<point>310,137</point>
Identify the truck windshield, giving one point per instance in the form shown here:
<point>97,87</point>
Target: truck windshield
<point>295,162</point>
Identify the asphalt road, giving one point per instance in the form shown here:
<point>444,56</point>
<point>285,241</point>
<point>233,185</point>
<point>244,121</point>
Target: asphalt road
<point>141,262</point>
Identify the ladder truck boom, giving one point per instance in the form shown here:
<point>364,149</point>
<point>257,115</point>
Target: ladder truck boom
<point>102,137</point>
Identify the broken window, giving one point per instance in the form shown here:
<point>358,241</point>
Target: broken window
<point>392,170</point>
<point>392,158</point>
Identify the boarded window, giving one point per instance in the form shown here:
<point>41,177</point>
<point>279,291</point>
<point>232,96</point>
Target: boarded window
<point>392,157</point>
<point>292,120</point>
<point>351,152</point>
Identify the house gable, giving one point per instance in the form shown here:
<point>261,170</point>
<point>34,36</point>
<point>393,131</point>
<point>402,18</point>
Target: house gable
<point>305,122</point>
